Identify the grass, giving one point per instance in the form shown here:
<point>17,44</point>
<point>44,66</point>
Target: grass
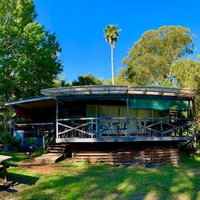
<point>16,157</point>
<point>98,181</point>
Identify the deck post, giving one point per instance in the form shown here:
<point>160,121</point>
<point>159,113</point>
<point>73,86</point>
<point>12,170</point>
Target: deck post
<point>161,127</point>
<point>96,122</point>
<point>92,127</point>
<point>127,114</point>
<point>192,116</point>
<point>56,118</point>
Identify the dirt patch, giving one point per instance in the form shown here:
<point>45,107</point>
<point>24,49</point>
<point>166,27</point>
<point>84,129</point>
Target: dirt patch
<point>43,168</point>
<point>193,171</point>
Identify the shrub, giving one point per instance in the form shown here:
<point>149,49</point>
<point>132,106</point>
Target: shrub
<point>39,151</point>
<point>5,138</point>
<point>15,144</point>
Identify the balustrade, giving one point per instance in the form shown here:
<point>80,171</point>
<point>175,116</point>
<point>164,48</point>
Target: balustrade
<point>123,127</point>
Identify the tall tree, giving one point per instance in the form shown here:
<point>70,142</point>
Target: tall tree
<point>150,60</point>
<point>111,35</point>
<point>28,53</point>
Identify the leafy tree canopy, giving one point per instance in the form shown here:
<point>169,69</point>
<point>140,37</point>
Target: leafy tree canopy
<point>87,80</point>
<point>150,60</point>
<point>28,53</point>
<point>119,79</point>
<point>60,81</point>
<point>187,73</point>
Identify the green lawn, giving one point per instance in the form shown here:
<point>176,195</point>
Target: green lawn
<point>98,181</point>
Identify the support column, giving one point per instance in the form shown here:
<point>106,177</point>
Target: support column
<point>192,116</point>
<point>56,118</point>
<point>127,114</point>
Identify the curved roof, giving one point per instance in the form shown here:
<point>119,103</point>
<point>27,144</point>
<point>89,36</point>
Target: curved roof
<point>48,98</point>
<point>118,89</point>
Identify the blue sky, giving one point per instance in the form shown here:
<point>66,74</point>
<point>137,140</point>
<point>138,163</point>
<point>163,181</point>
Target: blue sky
<point>79,27</point>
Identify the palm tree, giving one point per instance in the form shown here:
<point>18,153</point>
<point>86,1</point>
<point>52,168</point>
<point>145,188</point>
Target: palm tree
<point>111,35</point>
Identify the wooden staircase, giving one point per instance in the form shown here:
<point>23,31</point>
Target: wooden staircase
<point>56,148</point>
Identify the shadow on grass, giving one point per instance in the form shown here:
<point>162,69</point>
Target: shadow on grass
<point>16,157</point>
<point>17,179</point>
<point>88,181</point>
<point>104,182</point>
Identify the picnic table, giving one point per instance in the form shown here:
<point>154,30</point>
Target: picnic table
<point>3,160</point>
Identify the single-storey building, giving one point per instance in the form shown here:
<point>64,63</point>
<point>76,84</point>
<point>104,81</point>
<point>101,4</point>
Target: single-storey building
<point>111,122</point>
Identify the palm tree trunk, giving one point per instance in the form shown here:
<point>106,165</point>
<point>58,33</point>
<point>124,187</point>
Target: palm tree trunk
<point>112,64</point>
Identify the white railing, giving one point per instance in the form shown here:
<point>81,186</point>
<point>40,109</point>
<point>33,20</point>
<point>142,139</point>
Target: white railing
<point>124,127</point>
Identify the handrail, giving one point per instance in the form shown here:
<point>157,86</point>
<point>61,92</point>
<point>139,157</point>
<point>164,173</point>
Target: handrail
<point>121,118</point>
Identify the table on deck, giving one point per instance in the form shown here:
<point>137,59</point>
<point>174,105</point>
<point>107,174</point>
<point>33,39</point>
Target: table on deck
<point>3,160</point>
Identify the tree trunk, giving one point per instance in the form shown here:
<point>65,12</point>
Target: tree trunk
<point>112,64</point>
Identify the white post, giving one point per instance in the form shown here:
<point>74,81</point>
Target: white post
<point>57,118</point>
<point>43,140</point>
<point>127,114</point>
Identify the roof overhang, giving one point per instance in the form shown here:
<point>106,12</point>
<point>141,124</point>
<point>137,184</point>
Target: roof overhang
<point>41,102</point>
<point>116,89</point>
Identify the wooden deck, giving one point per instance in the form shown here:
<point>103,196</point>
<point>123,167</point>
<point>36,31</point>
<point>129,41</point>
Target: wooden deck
<point>122,139</point>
